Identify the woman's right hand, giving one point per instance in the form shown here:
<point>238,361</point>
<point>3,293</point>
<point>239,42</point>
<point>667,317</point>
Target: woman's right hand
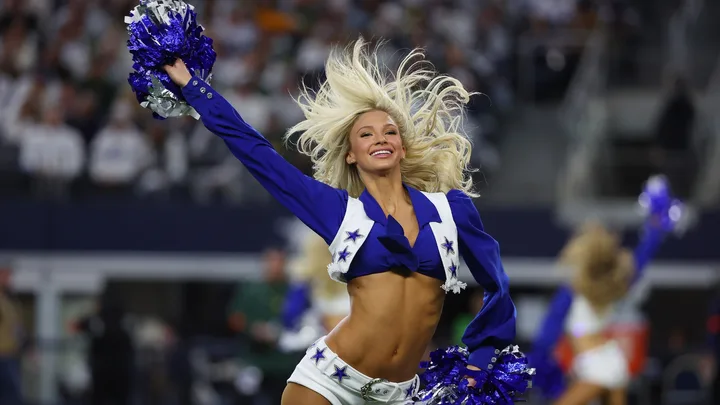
<point>178,73</point>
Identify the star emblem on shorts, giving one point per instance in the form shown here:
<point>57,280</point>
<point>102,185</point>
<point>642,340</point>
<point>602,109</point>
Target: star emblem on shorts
<point>410,391</point>
<point>343,255</point>
<point>453,269</point>
<point>448,246</point>
<point>353,236</point>
<point>319,355</point>
<point>340,373</point>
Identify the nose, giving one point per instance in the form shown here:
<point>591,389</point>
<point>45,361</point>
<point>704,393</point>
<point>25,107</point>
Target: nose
<point>380,139</point>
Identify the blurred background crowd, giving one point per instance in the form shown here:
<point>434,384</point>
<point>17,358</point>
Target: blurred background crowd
<point>123,238</point>
<point>72,129</point>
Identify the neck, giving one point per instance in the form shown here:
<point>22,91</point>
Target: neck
<point>387,190</point>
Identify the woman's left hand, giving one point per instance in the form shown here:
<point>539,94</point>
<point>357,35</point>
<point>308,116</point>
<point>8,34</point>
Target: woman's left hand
<point>471,381</point>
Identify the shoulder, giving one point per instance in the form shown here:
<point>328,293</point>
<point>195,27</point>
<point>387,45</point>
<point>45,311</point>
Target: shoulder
<point>453,196</point>
<point>458,197</point>
<point>461,204</point>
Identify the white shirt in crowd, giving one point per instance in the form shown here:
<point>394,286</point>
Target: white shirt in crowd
<point>256,108</point>
<point>52,151</point>
<point>554,11</point>
<point>13,95</point>
<point>171,165</point>
<point>312,53</point>
<point>118,155</point>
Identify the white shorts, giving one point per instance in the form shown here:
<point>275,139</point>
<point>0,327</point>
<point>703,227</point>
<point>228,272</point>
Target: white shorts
<point>605,366</point>
<point>324,372</point>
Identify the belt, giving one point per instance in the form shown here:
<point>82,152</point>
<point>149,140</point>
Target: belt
<point>368,388</point>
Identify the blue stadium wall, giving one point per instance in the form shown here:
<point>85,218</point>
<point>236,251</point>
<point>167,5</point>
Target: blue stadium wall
<point>164,227</point>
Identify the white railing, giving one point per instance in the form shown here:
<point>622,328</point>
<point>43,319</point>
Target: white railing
<point>678,43</point>
<point>583,116</point>
<point>589,82</point>
<point>708,184</point>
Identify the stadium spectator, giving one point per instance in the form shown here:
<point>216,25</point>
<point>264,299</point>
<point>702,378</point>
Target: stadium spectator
<point>167,172</point>
<point>677,118</point>
<point>255,314</point>
<point>672,152</point>
<point>119,153</point>
<point>52,153</point>
<point>111,354</point>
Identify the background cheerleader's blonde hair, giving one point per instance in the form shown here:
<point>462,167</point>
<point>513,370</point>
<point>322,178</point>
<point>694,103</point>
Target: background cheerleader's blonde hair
<point>428,108</point>
<point>602,268</point>
<point>312,267</point>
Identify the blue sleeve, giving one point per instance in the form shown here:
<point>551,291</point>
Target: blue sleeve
<point>651,239</point>
<point>318,205</point>
<point>552,326</point>
<point>297,301</point>
<point>493,328</point>
<point>549,377</point>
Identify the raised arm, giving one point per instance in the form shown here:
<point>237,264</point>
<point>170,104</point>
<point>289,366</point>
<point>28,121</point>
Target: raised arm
<point>551,328</point>
<point>651,238</point>
<point>493,328</point>
<point>318,205</point>
<point>549,377</point>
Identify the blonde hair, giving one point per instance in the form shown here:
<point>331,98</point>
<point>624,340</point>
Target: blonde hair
<point>602,268</point>
<point>428,109</point>
<point>312,268</point>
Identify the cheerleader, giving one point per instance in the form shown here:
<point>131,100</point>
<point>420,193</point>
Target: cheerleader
<point>315,304</point>
<point>392,197</point>
<point>603,275</point>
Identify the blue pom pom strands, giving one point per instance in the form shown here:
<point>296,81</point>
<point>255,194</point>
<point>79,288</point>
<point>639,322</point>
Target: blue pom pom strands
<point>657,200</point>
<point>161,31</point>
<point>501,383</point>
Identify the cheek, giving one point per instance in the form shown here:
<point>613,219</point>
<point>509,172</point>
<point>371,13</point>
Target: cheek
<point>358,147</point>
<point>398,145</point>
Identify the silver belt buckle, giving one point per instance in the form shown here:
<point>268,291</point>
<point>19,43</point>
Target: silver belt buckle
<point>366,389</point>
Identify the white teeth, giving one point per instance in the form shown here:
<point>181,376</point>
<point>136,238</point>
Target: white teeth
<point>381,152</point>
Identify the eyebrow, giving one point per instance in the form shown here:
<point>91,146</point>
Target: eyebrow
<point>370,126</point>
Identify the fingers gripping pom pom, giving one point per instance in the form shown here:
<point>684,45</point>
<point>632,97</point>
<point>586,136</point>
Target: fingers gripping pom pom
<point>499,384</point>
<point>161,31</point>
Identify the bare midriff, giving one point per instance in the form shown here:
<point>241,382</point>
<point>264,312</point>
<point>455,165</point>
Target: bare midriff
<point>392,320</point>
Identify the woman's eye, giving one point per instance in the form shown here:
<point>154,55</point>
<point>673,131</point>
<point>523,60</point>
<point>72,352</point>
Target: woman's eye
<point>365,134</point>
<point>391,133</point>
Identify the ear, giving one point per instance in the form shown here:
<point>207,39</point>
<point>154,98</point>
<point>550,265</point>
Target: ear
<point>402,155</point>
<point>350,158</point>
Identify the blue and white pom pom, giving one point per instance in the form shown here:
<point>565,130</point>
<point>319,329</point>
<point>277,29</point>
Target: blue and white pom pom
<point>161,31</point>
<point>657,201</point>
<point>445,379</point>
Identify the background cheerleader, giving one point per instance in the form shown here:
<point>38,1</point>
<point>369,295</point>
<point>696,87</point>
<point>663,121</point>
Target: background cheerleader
<point>315,303</point>
<point>603,274</point>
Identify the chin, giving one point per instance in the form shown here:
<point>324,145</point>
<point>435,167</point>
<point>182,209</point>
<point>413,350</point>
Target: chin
<point>383,168</point>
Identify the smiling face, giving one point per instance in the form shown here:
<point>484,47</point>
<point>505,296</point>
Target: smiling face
<point>375,143</point>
